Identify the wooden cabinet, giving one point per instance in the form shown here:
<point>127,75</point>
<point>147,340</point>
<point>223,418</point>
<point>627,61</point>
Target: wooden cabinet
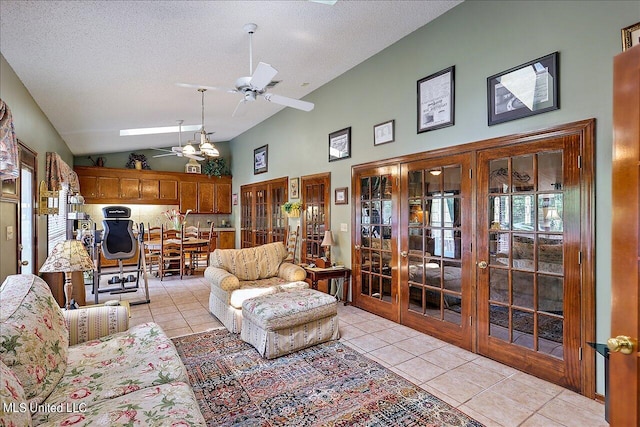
<point>223,198</point>
<point>226,240</point>
<point>168,189</point>
<point>149,189</point>
<point>206,195</point>
<point>129,188</point>
<point>200,193</point>
<point>188,196</point>
<point>261,217</point>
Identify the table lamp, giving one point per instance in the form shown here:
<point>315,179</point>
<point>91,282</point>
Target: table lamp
<point>67,257</point>
<point>328,242</point>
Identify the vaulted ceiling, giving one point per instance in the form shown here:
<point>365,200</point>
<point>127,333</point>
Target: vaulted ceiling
<point>95,67</point>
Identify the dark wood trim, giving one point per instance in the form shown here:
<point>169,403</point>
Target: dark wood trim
<point>585,196</point>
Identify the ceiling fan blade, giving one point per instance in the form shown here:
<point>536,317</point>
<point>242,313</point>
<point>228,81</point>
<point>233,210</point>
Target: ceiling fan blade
<point>289,102</point>
<point>262,76</point>
<point>194,157</point>
<point>160,149</point>
<point>165,155</point>
<point>240,109</point>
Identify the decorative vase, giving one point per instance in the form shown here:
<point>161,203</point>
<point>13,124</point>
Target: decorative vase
<point>138,165</point>
<point>293,213</point>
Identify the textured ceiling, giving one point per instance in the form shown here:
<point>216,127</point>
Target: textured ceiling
<point>97,67</point>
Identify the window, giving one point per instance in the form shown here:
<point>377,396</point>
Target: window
<point>57,224</point>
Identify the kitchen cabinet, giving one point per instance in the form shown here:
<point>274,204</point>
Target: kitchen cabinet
<point>226,240</point>
<point>206,195</point>
<point>188,196</point>
<point>199,193</point>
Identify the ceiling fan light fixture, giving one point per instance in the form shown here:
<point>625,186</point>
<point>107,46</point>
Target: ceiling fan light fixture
<point>209,150</point>
<point>188,149</point>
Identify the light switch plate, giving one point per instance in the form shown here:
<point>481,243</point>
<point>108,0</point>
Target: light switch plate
<point>344,227</point>
<point>9,232</point>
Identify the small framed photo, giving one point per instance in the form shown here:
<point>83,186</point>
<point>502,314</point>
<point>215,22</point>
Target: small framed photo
<point>192,168</point>
<point>294,188</point>
<point>234,198</point>
<point>630,36</point>
<point>384,132</point>
<point>260,159</point>
<point>435,100</point>
<point>340,144</point>
<point>342,196</point>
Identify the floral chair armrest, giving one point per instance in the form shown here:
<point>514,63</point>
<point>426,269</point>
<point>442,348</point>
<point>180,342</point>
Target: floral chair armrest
<point>90,323</point>
<point>222,278</point>
<point>291,272</point>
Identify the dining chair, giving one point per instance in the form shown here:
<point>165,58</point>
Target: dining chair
<point>172,258</point>
<point>292,245</point>
<point>152,256</point>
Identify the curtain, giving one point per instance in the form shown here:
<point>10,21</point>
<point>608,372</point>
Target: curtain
<point>58,172</point>
<point>9,162</point>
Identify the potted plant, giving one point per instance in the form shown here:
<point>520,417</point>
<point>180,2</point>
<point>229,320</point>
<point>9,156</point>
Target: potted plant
<point>215,167</point>
<point>292,209</point>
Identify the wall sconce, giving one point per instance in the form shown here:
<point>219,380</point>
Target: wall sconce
<point>48,200</point>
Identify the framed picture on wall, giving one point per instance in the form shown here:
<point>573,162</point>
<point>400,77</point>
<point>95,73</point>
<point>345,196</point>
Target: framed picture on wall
<point>342,196</point>
<point>294,188</point>
<point>630,36</point>
<point>384,132</point>
<point>340,144</point>
<point>524,91</point>
<point>435,100</point>
<point>260,159</point>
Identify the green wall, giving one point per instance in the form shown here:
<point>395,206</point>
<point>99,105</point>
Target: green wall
<point>167,163</point>
<point>480,38</point>
<point>36,132</point>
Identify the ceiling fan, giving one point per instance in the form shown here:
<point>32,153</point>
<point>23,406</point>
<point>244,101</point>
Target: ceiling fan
<point>256,86</point>
<point>187,151</point>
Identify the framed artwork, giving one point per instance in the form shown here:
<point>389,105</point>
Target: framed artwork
<point>524,91</point>
<point>630,36</point>
<point>294,188</point>
<point>384,132</point>
<point>234,198</point>
<point>436,100</point>
<point>340,144</point>
<point>342,196</point>
<point>260,159</point>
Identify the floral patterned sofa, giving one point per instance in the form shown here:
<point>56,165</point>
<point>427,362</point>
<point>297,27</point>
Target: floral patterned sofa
<point>236,275</point>
<point>132,377</point>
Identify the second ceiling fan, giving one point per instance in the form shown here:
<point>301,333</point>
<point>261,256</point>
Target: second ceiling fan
<point>256,86</point>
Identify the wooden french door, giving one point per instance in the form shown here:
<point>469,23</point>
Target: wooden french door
<point>436,294</point>
<point>375,272</point>
<point>624,390</point>
<point>316,215</point>
<point>529,258</point>
<point>261,218</point>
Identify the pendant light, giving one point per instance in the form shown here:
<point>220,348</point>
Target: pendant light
<point>206,147</point>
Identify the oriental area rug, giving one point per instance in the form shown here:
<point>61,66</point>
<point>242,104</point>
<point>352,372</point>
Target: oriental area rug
<point>326,385</point>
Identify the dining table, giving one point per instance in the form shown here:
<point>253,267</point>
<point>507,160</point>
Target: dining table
<point>190,245</point>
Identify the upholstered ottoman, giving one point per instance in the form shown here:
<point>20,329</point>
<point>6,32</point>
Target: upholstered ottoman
<point>279,324</point>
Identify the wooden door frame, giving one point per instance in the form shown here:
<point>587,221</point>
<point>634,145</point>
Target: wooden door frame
<point>392,310</point>
<point>586,131</point>
<point>462,335</point>
<point>324,178</point>
<point>33,164</point>
<point>624,370</point>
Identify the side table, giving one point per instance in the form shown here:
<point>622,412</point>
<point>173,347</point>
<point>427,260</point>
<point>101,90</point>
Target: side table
<point>316,274</point>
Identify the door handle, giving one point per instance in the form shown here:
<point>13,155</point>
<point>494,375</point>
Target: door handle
<point>403,254</point>
<point>621,343</point>
<point>482,264</point>
<point>23,262</point>
<point>357,247</point>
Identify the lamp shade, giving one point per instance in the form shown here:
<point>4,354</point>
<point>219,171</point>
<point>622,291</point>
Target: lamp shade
<point>66,257</point>
<point>328,239</point>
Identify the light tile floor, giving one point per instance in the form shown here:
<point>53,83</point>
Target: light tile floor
<point>492,393</point>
